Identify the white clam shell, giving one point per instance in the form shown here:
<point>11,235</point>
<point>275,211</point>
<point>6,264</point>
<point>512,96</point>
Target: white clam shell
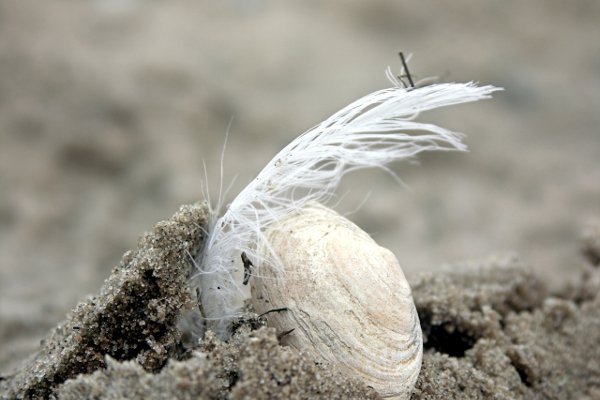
<point>347,298</point>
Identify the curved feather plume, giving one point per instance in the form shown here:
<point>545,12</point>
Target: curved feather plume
<point>373,131</point>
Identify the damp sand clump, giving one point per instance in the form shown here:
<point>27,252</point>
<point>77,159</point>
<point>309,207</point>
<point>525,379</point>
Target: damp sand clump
<point>133,318</point>
<point>492,330</point>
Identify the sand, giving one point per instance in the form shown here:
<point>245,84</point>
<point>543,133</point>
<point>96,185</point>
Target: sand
<point>134,316</point>
<point>491,330</point>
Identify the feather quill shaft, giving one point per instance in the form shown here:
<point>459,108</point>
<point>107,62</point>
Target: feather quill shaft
<point>374,131</point>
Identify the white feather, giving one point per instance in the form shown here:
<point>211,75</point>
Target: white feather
<point>374,131</point>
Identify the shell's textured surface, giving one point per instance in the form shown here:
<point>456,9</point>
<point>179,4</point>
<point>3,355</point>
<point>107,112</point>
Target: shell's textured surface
<point>347,298</point>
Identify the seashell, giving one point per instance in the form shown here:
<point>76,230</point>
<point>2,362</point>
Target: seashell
<point>347,299</point>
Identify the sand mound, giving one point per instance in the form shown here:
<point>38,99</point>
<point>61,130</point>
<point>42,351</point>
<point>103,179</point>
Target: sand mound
<point>491,330</point>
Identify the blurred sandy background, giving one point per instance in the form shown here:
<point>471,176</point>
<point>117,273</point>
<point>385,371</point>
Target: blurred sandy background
<point>108,107</point>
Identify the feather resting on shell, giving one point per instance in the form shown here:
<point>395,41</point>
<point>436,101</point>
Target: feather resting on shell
<point>348,300</point>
